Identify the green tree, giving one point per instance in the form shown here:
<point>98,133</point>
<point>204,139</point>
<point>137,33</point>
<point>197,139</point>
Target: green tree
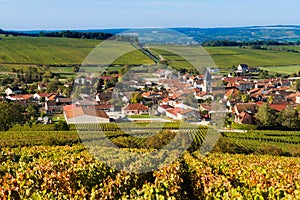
<point>31,112</point>
<point>289,117</point>
<point>266,116</point>
<point>136,97</point>
<point>10,114</point>
<point>245,98</point>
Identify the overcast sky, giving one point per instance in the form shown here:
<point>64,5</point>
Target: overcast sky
<point>96,14</point>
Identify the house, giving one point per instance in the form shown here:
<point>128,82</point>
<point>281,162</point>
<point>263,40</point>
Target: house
<point>19,97</point>
<point>52,106</point>
<point>243,68</point>
<point>47,96</point>
<point>104,98</point>
<point>181,114</point>
<point>84,115</point>
<point>298,97</point>
<point>245,118</point>
<point>13,90</point>
<point>245,107</point>
<point>244,85</point>
<point>64,101</point>
<point>83,80</point>
<point>42,86</point>
<point>135,109</point>
<point>163,108</point>
<point>105,107</point>
<point>203,96</point>
<point>232,94</point>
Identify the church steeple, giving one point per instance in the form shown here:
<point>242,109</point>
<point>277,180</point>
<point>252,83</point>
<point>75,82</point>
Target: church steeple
<point>207,82</point>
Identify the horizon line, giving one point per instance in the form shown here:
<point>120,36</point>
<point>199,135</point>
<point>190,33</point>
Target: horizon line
<point>173,27</point>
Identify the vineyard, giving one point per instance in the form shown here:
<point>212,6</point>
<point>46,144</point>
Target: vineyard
<point>286,142</point>
<point>40,162</point>
<point>72,173</point>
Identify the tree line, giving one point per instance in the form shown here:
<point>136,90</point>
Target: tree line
<point>75,34</point>
<point>89,35</point>
<point>221,43</point>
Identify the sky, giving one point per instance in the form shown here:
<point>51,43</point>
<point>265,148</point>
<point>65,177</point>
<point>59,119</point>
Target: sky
<point>99,14</point>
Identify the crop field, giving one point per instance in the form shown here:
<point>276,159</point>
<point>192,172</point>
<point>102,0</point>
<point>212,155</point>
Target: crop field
<point>283,69</point>
<point>19,51</point>
<point>287,142</point>
<point>39,162</point>
<point>56,51</point>
<point>226,57</point>
<point>70,172</point>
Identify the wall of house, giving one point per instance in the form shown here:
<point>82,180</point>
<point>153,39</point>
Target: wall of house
<point>87,120</point>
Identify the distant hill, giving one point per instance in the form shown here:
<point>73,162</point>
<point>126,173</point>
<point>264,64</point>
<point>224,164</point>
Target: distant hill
<point>276,33</point>
<point>284,33</point>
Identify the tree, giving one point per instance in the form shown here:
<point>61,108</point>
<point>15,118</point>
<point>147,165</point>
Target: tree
<point>10,114</point>
<point>270,99</point>
<point>245,98</point>
<point>289,118</point>
<point>136,98</point>
<point>266,116</point>
<point>32,112</point>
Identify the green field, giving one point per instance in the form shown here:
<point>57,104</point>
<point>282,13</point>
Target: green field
<point>283,69</point>
<point>226,57</point>
<point>55,51</point>
<point>18,52</point>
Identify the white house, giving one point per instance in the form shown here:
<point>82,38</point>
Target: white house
<point>242,68</point>
<point>135,109</point>
<point>180,114</point>
<point>85,115</point>
<point>13,90</point>
<point>298,98</point>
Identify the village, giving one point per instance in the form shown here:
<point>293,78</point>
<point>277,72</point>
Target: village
<point>165,96</point>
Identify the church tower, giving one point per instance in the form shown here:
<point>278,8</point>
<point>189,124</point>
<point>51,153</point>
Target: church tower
<point>207,83</point>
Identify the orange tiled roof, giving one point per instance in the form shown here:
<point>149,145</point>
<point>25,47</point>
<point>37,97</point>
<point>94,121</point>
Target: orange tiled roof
<point>136,106</point>
<point>81,111</point>
<point>21,96</point>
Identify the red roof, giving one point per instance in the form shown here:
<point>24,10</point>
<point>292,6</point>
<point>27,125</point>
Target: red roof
<point>136,106</point>
<point>69,107</point>
<point>81,111</point>
<point>279,107</point>
<point>21,96</point>
<point>165,107</point>
<point>174,111</point>
<point>276,106</point>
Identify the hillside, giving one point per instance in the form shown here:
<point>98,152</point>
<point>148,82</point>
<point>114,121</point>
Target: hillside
<point>55,51</point>
<point>226,57</point>
<point>275,32</point>
<point>18,51</point>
